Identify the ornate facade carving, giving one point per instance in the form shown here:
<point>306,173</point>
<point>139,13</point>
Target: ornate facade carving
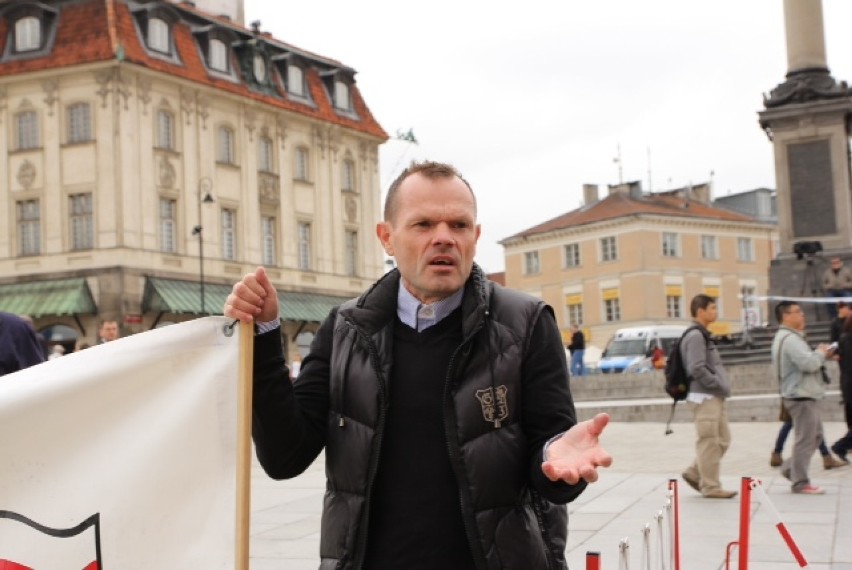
<point>281,130</point>
<point>50,87</point>
<point>202,108</point>
<point>143,92</point>
<point>350,207</point>
<point>187,100</point>
<point>166,173</point>
<point>3,104</point>
<point>104,79</point>
<point>250,119</point>
<point>26,174</point>
<point>268,188</point>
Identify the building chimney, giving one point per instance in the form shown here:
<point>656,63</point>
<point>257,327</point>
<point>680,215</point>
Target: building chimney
<point>590,194</point>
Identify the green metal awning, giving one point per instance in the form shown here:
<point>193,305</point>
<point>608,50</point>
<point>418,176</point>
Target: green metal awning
<point>182,297</point>
<point>306,307</point>
<point>48,298</point>
<point>175,296</point>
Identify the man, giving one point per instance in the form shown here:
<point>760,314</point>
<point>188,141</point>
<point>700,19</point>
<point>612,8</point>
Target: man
<point>108,331</point>
<point>802,387</point>
<point>19,345</point>
<point>441,400</point>
<point>836,282</point>
<point>577,348</point>
<point>707,393</point>
<point>839,321</point>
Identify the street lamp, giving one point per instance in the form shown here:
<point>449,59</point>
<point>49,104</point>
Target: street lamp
<point>204,197</point>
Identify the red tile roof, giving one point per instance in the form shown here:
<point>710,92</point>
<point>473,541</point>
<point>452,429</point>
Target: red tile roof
<point>93,31</point>
<point>620,205</point>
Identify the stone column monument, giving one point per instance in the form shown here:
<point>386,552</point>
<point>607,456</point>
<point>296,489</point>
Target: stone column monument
<point>807,118</point>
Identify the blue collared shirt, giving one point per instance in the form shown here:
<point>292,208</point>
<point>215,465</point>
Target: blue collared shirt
<point>419,316</point>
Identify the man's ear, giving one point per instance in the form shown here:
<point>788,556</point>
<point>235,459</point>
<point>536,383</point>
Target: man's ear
<point>383,232</point>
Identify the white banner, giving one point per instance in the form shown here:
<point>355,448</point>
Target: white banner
<point>122,456</point>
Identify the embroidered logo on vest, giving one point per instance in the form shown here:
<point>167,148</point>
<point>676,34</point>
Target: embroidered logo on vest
<point>495,408</point>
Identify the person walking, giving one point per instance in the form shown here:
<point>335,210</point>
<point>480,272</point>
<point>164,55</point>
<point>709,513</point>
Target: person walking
<point>828,460</point>
<point>441,399</point>
<point>708,391</point>
<point>577,348</point>
<point>802,387</point>
<point>844,350</point>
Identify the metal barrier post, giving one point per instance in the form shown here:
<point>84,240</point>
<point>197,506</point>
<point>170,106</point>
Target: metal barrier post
<point>593,561</point>
<point>745,522</point>
<point>676,522</point>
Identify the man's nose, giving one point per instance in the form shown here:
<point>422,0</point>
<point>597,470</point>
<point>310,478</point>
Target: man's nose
<point>444,235</point>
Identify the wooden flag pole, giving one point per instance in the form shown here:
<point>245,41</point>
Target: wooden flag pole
<point>244,445</point>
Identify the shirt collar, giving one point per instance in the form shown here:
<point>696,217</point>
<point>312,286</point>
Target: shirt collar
<point>419,316</point>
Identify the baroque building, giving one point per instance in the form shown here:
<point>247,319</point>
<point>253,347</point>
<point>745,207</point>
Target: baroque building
<point>153,152</point>
<point>634,259</point>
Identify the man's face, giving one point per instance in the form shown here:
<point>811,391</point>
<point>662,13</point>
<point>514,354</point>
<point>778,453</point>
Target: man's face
<point>707,315</point>
<point>843,312</point>
<point>836,263</point>
<point>109,331</point>
<point>433,235</point>
<point>794,318</point>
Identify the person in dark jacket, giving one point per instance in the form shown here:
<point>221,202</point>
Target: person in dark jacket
<point>19,345</point>
<point>844,350</point>
<point>441,400</point>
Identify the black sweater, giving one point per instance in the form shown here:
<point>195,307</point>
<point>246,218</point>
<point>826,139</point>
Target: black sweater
<point>416,497</point>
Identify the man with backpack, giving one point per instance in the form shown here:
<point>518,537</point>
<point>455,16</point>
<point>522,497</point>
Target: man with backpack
<point>708,390</point>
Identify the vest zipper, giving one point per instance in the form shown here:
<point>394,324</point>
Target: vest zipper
<point>452,447</point>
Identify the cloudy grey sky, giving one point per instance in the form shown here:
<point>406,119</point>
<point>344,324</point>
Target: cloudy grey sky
<point>530,100</point>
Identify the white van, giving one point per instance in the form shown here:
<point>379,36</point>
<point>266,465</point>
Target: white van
<point>630,349</point>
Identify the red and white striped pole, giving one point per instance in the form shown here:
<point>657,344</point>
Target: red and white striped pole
<point>782,528</point>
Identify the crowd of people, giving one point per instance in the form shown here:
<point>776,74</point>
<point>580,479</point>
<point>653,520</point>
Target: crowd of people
<point>21,346</point>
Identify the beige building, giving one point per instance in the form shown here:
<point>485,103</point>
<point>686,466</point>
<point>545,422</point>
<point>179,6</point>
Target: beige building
<point>633,259</point>
<point>152,153</point>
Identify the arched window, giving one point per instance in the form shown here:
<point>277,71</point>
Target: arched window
<point>27,34</point>
<point>158,35</point>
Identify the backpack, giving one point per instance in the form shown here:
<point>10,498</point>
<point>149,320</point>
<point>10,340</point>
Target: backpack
<point>677,380</point>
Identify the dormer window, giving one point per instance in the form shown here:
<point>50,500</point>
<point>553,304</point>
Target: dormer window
<point>341,96</point>
<point>296,80</point>
<point>158,35</point>
<point>27,34</point>
<point>218,55</point>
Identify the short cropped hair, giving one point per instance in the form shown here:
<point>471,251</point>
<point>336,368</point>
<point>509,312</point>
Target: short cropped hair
<point>700,301</point>
<point>782,308</point>
<point>429,169</point>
